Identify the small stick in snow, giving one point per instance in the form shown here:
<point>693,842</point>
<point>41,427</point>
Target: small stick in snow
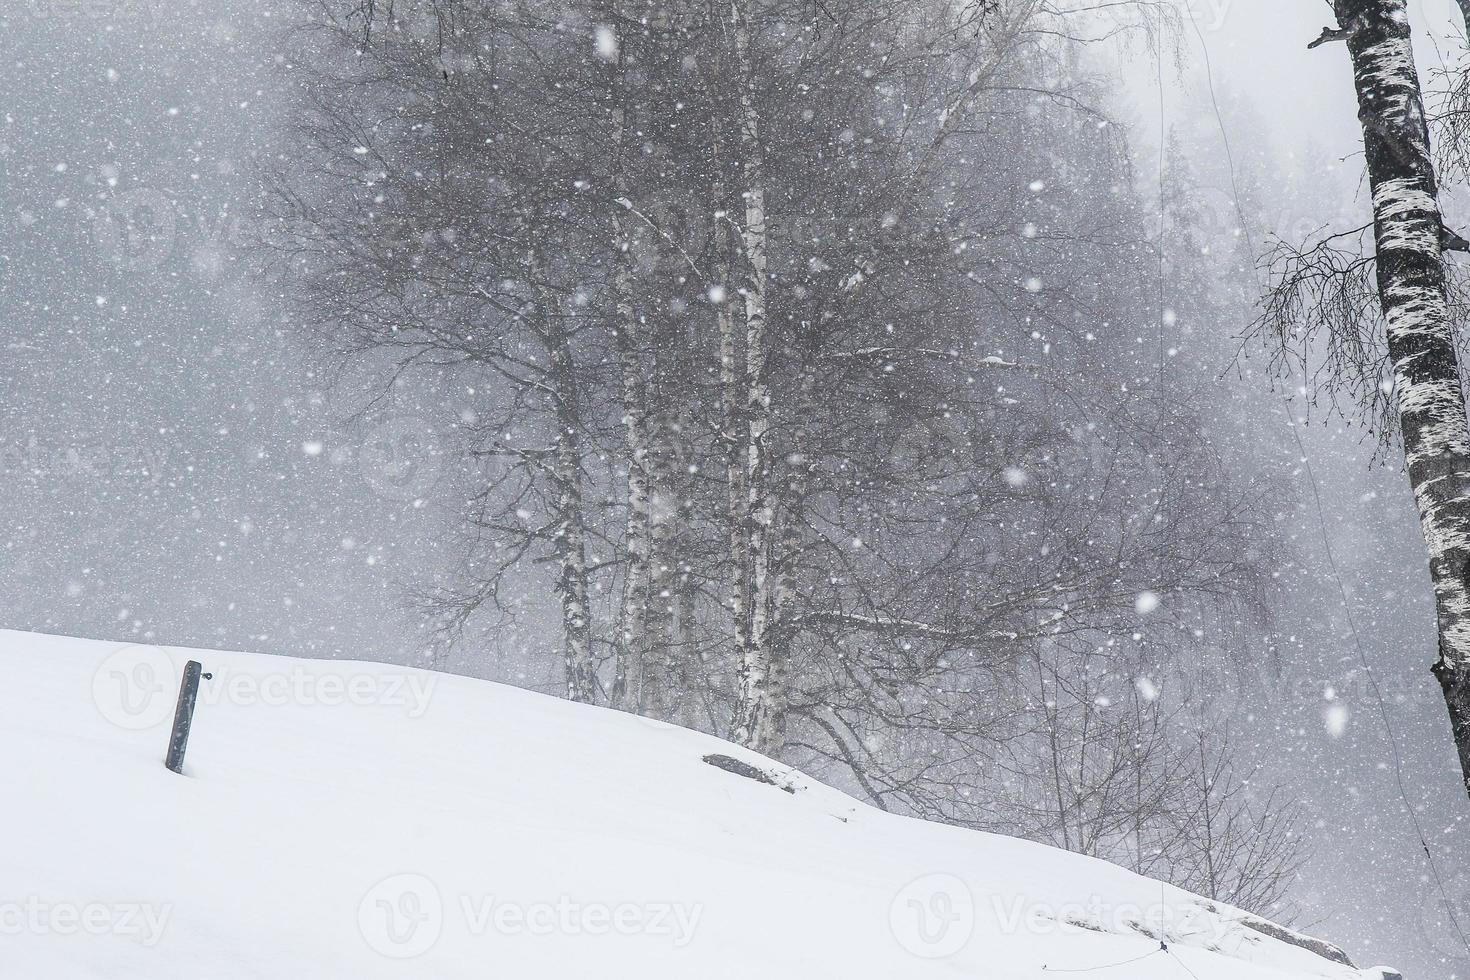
<point>184,716</point>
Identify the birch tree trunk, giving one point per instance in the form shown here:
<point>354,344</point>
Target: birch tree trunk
<point>788,552</point>
<point>568,530</point>
<point>632,646</point>
<point>732,418</point>
<point>734,441</point>
<point>658,692</point>
<point>758,708</point>
<point>632,650</point>
<point>1421,343</point>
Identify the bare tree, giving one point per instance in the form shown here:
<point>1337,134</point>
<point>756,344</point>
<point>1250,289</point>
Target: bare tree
<point>797,337</point>
<point>1121,768</point>
<point>1330,285</point>
<point>395,259</point>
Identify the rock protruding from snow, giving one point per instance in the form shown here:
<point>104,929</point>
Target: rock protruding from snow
<point>733,765</point>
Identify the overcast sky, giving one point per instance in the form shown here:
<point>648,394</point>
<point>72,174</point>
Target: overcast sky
<point>1258,52</point>
<point>215,528</point>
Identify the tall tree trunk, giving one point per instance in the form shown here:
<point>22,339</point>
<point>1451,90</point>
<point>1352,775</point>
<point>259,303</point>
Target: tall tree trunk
<point>632,650</point>
<point>758,709</point>
<point>571,585</point>
<point>632,646</point>
<point>1421,343</point>
<point>732,418</point>
<point>658,669</point>
<point>733,430</point>
<point>796,481</point>
<point>568,531</point>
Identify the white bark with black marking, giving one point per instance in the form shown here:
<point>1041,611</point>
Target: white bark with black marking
<point>758,708</point>
<point>569,534</point>
<point>632,650</point>
<point>1421,342</point>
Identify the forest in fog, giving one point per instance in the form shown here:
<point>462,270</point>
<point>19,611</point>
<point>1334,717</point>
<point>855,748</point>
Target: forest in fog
<point>814,371</point>
<point>997,410</point>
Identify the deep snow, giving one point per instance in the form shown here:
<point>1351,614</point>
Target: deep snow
<point>359,820</point>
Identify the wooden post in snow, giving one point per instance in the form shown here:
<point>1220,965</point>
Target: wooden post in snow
<point>183,716</point>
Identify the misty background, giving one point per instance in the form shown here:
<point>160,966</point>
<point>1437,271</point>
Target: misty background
<point>179,465</point>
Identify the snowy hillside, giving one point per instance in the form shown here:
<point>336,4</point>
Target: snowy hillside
<point>364,821</point>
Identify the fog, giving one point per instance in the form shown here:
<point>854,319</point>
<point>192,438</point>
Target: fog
<point>179,464</point>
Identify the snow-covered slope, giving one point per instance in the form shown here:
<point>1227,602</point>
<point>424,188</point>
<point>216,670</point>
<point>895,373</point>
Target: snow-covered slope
<point>349,820</point>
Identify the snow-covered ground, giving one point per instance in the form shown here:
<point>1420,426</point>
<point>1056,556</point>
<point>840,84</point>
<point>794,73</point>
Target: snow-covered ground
<point>353,820</point>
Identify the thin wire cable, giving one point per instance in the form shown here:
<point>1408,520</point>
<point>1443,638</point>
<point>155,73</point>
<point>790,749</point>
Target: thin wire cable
<point>1182,965</point>
<point>1110,966</point>
<point>1291,422</point>
<point>1163,151</point>
<point>1163,420</point>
